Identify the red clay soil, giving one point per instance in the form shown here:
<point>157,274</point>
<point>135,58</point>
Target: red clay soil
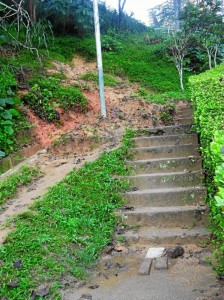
<point>123,109</point>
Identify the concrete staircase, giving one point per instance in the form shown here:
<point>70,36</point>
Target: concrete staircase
<point>166,203</point>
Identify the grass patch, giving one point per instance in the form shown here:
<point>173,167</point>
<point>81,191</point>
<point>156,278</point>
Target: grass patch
<point>108,79</point>
<point>149,65</point>
<point>10,185</point>
<point>66,230</point>
<point>165,98</point>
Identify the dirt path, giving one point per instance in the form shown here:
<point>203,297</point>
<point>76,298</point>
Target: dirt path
<point>123,108</point>
<point>56,164</point>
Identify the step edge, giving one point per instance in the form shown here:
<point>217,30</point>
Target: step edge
<point>167,190</point>
<point>163,209</point>
<point>200,172</point>
<point>166,146</point>
<point>159,137</point>
<point>164,159</point>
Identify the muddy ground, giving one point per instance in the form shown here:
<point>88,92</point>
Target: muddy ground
<point>82,136</point>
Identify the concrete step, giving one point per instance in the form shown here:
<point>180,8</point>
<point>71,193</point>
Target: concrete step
<point>184,121</point>
<point>167,180</point>
<point>166,140</point>
<point>166,165</point>
<point>185,114</point>
<point>167,236</point>
<point>165,151</point>
<point>166,130</point>
<point>167,197</point>
<point>163,217</point>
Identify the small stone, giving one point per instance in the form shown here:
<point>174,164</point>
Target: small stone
<point>161,263</point>
<point>119,248</point>
<point>120,230</point>
<point>145,267</point>
<point>93,287</point>
<point>175,252</point>
<point>41,152</point>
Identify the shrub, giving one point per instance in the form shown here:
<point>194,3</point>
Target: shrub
<point>111,42</point>
<point>8,111</point>
<point>208,100</point>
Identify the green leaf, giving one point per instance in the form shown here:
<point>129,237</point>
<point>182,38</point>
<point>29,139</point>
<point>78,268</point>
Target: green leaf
<point>6,115</point>
<point>2,102</point>
<point>9,101</point>
<point>219,201</point>
<point>6,122</point>
<point>9,130</point>
<point>14,112</point>
<point>2,154</point>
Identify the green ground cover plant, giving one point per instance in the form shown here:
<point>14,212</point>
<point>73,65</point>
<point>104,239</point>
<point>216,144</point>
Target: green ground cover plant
<point>10,184</point>
<point>65,230</point>
<point>108,79</point>
<point>149,65</point>
<point>46,93</point>
<point>164,98</point>
<point>208,95</point>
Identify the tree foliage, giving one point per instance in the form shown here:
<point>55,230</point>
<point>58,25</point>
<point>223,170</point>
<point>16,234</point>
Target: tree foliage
<point>204,22</point>
<point>67,16</point>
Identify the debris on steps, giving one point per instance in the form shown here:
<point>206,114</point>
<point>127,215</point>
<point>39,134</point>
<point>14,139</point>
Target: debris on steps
<point>168,193</point>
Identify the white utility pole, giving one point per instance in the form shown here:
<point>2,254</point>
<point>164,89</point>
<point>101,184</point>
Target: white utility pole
<point>99,57</point>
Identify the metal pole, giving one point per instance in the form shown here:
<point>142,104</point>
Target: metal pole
<point>99,57</point>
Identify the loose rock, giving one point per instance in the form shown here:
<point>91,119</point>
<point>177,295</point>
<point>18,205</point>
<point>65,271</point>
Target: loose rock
<point>175,252</point>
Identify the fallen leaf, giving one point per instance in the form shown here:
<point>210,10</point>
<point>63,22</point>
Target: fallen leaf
<point>33,295</point>
<point>13,284</point>
<point>18,264</point>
